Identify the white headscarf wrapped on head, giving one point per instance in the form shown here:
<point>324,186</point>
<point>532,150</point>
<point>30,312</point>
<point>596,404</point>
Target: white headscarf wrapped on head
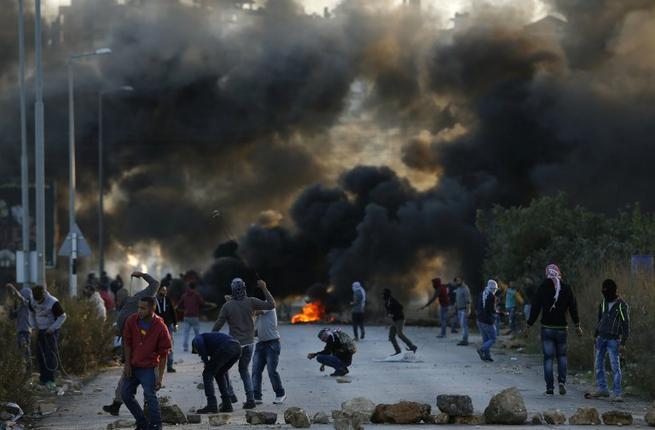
<point>491,288</point>
<point>554,274</point>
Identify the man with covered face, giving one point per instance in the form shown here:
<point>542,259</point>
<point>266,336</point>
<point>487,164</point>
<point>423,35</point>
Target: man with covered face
<point>49,316</point>
<point>612,332</point>
<point>238,314</point>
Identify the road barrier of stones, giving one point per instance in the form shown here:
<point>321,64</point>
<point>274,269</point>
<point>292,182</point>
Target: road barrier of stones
<point>297,417</point>
<point>585,417</point>
<point>320,418</point>
<point>554,417</point>
<point>219,420</point>
<point>617,418</point>
<point>650,416</point>
<point>403,412</point>
<point>257,418</point>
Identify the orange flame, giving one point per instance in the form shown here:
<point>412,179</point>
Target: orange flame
<point>311,312</point>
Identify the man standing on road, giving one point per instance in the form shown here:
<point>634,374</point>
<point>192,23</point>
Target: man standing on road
<point>612,332</point>
<point>147,343</point>
<point>166,311</point>
<point>463,307</point>
<point>358,304</point>
<point>511,306</point>
<point>395,312</point>
<point>219,352</point>
<point>191,302</point>
<point>267,354</point>
<point>50,316</point>
<point>129,305</point>
<point>20,311</point>
<point>441,293</point>
<point>336,353</point>
<point>238,314</point>
<point>553,300</point>
<point>486,312</point>
<point>452,309</point>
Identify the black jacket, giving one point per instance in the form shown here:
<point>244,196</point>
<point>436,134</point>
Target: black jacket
<point>164,308</point>
<point>486,312</point>
<point>333,346</point>
<point>394,309</point>
<point>543,301</point>
<point>613,321</point>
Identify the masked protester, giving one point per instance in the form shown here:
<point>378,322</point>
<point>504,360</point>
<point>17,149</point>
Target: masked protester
<point>553,300</point>
<point>486,313</point>
<point>50,316</point>
<point>147,343</point>
<point>358,304</point>
<point>238,314</point>
<point>612,332</point>
<point>395,311</point>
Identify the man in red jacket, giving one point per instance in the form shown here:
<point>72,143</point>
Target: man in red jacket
<point>147,344</point>
<point>441,293</point>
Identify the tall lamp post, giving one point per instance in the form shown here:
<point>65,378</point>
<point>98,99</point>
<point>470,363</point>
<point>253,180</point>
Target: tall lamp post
<point>101,189</point>
<point>39,148</point>
<point>24,167</point>
<point>72,228</point>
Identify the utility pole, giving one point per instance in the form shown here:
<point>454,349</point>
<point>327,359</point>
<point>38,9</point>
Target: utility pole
<point>39,148</point>
<point>24,166</point>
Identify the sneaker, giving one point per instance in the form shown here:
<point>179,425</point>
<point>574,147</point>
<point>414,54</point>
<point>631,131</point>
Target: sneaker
<point>250,404</point>
<point>171,370</point>
<point>279,400</point>
<point>550,392</point>
<point>207,410</point>
<point>234,399</point>
<point>598,394</point>
<point>562,389</point>
<point>617,399</point>
<point>462,343</point>
<point>412,348</point>
<point>113,408</point>
<point>259,401</point>
<point>226,407</point>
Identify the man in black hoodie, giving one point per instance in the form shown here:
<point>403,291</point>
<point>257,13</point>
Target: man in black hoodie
<point>165,309</point>
<point>553,300</point>
<point>395,312</point>
<point>612,332</point>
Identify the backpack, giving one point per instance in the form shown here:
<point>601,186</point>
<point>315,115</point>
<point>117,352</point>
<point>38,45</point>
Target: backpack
<point>346,341</point>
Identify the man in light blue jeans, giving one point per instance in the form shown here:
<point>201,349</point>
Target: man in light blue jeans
<point>267,355</point>
<point>190,323</point>
<point>486,312</point>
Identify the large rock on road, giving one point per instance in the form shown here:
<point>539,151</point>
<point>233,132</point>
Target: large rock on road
<point>506,407</point>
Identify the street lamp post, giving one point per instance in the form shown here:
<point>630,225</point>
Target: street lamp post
<point>72,269</point>
<point>101,190</point>
<point>24,167</point>
<point>39,148</point>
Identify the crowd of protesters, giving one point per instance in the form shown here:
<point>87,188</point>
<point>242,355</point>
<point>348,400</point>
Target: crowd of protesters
<point>145,323</point>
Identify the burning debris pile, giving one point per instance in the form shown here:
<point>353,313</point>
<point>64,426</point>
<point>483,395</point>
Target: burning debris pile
<point>311,312</point>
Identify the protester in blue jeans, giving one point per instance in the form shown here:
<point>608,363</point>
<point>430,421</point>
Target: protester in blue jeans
<point>463,307</point>
<point>219,352</point>
<point>441,293</point>
<point>267,355</point>
<point>335,354</point>
<point>486,313</point>
<point>238,313</point>
<point>612,332</point>
<point>553,300</point>
<point>146,342</point>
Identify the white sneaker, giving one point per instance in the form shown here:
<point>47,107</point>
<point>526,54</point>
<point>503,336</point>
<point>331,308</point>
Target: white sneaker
<point>279,400</point>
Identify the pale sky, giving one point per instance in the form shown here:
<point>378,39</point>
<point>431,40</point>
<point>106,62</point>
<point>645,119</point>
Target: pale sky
<point>445,8</point>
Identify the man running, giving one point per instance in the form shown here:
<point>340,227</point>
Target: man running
<point>395,312</point>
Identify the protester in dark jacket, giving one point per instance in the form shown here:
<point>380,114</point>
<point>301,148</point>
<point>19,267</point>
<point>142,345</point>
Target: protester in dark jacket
<point>611,334</point>
<point>219,352</point>
<point>395,312</point>
<point>441,293</point>
<point>486,313</point>
<point>334,354</point>
<point>166,311</point>
<point>554,299</point>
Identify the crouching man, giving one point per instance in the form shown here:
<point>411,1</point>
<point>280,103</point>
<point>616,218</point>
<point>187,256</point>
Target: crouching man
<point>219,352</point>
<point>338,351</point>
<point>147,343</point>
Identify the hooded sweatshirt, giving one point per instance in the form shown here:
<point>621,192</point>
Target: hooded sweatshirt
<point>238,312</point>
<point>359,298</point>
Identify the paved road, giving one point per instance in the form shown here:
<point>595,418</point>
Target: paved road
<point>443,368</point>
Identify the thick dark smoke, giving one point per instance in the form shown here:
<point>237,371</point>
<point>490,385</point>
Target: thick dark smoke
<point>230,124</point>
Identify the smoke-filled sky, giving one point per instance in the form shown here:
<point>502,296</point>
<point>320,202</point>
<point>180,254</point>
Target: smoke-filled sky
<point>357,147</point>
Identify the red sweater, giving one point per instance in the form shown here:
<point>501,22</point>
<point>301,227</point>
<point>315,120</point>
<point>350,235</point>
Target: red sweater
<point>191,302</point>
<point>147,349</point>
